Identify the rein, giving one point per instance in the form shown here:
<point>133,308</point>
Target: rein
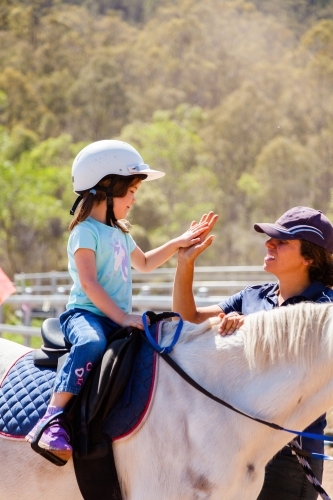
<point>301,454</point>
<point>277,427</point>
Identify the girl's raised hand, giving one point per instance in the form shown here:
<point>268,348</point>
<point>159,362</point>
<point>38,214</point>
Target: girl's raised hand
<point>209,219</point>
<point>190,253</point>
<point>198,232</point>
<point>192,235</point>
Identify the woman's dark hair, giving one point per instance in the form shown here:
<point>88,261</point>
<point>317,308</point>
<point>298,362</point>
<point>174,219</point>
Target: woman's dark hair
<point>321,268</point>
<point>119,186</point>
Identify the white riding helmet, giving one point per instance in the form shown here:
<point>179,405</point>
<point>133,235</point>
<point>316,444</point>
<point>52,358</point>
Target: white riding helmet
<point>108,157</point>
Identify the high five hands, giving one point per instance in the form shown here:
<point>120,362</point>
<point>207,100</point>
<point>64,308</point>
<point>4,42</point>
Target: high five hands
<point>203,240</point>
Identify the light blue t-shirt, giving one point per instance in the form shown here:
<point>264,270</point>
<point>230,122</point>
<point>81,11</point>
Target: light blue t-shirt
<point>112,249</point>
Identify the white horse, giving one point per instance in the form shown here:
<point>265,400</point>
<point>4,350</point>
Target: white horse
<point>277,367</point>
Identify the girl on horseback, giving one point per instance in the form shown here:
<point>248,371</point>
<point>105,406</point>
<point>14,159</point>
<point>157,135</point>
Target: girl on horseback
<point>106,176</point>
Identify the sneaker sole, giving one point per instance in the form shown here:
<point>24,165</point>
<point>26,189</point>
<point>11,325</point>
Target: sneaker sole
<point>63,454</point>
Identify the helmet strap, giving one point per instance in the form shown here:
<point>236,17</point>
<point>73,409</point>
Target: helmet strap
<point>75,204</point>
<point>109,211</point>
<point>109,200</point>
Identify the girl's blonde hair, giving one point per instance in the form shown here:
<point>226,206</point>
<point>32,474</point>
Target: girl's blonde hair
<point>119,186</point>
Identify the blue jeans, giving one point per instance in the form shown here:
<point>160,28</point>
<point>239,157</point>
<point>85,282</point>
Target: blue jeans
<point>88,334</point>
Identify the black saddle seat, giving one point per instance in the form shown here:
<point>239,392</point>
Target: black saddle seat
<point>52,335</point>
<point>54,344</point>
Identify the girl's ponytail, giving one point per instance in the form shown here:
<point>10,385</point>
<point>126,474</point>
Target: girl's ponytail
<point>89,198</point>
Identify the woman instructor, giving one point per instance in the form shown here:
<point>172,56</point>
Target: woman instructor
<point>299,253</point>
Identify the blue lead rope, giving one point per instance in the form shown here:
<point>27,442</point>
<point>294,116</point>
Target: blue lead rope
<point>156,346</point>
<point>164,351</point>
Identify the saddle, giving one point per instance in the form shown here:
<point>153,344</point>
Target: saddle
<point>93,456</point>
<point>54,345</point>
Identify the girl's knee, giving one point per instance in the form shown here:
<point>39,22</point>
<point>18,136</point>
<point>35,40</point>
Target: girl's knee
<point>96,346</point>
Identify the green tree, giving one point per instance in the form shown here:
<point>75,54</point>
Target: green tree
<point>23,105</point>
<point>171,144</point>
<point>287,174</point>
<point>99,93</point>
<point>34,205</point>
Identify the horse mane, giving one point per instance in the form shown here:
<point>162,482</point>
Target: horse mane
<point>287,333</point>
<point>283,334</point>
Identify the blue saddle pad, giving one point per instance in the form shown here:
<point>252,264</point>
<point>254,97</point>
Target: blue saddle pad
<point>24,396</point>
<point>26,390</point>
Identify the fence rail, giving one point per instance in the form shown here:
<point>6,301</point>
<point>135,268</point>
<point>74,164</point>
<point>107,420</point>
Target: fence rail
<point>44,295</point>
<point>55,281</point>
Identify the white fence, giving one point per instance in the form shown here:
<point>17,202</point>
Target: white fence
<point>45,294</point>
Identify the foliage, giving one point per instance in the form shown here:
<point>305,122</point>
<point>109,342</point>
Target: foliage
<point>33,205</point>
<point>231,98</point>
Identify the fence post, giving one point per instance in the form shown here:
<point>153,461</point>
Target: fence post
<point>203,291</point>
<point>145,290</point>
<point>26,309</point>
<point>60,308</point>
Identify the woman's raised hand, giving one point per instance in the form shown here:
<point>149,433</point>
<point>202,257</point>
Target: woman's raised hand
<point>209,219</point>
<point>202,240</point>
<point>192,235</point>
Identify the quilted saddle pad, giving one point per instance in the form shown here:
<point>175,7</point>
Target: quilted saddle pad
<point>24,395</point>
<point>26,390</point>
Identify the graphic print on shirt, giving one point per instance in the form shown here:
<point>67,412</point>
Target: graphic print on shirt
<point>120,260</point>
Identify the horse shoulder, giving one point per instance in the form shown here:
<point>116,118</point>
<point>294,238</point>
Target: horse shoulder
<point>28,476</point>
<point>9,353</point>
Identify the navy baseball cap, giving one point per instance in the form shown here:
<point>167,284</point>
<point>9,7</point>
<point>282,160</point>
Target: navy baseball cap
<point>301,223</point>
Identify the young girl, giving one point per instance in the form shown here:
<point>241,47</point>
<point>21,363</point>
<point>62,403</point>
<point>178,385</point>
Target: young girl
<point>106,176</point>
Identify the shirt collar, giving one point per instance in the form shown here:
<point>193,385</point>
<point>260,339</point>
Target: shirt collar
<point>273,291</point>
<point>272,296</point>
<point>311,293</point>
<point>313,290</point>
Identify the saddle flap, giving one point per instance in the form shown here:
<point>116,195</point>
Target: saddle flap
<point>115,371</point>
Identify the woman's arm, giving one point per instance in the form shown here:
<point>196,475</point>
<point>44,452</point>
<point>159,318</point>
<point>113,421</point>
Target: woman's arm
<point>183,298</point>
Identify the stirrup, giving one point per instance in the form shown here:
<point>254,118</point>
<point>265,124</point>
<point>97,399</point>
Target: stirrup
<point>39,431</point>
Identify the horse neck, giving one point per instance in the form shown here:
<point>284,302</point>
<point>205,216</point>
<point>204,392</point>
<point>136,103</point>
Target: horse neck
<point>292,348</point>
<point>286,393</point>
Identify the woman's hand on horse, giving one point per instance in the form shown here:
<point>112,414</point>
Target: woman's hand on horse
<point>230,322</point>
